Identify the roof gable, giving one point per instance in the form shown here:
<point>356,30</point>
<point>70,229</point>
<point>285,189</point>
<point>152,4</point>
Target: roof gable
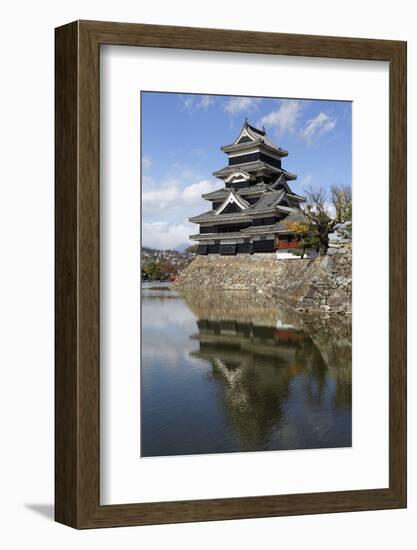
<point>246,135</point>
<point>239,175</point>
<point>249,133</point>
<point>232,198</point>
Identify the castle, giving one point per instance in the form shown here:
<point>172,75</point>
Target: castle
<point>252,211</point>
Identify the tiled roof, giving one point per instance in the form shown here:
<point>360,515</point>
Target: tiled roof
<point>258,136</point>
<point>268,200</point>
<point>254,129</point>
<point>211,215</point>
<point>246,214</point>
<point>295,216</point>
<point>259,141</point>
<point>204,215</point>
<point>248,166</point>
<point>223,191</point>
<point>280,227</point>
<point>259,229</point>
<point>254,165</point>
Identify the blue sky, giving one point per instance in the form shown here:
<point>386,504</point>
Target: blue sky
<point>181,139</point>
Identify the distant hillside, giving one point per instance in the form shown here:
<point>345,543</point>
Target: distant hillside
<point>173,255</point>
<point>182,246</point>
<point>161,264</point>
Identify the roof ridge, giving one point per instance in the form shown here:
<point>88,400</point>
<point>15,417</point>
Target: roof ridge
<point>239,197</point>
<point>254,129</point>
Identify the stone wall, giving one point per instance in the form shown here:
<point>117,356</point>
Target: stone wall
<point>323,284</point>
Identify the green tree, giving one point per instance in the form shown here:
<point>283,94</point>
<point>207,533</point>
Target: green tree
<point>152,271</point>
<point>306,235</point>
<point>167,268</point>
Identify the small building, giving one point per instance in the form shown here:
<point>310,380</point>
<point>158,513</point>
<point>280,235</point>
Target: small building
<point>250,213</point>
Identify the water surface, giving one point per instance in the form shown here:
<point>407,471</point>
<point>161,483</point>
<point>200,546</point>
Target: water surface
<point>228,372</point>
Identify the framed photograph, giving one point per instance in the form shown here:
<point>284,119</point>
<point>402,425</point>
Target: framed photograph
<point>230,274</point>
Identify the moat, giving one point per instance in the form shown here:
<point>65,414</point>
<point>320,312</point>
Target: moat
<point>225,371</point>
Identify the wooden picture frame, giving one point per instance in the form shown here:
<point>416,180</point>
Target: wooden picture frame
<point>77,404</point>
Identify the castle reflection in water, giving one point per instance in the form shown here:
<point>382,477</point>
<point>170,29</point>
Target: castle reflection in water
<point>240,375</point>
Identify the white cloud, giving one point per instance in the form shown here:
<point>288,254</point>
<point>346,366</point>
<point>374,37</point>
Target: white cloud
<point>188,102</point>
<point>317,126</point>
<point>164,235</point>
<point>191,195</point>
<point>146,163</point>
<point>161,198</point>
<point>306,181</point>
<point>330,207</point>
<point>171,196</point>
<point>238,104</point>
<point>194,102</point>
<point>285,118</point>
<point>147,180</point>
<point>206,101</point>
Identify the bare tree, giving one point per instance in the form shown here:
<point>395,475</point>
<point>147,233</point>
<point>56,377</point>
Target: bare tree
<point>323,215</point>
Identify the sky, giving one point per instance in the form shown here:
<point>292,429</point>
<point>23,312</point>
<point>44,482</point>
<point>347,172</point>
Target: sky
<point>181,136</point>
